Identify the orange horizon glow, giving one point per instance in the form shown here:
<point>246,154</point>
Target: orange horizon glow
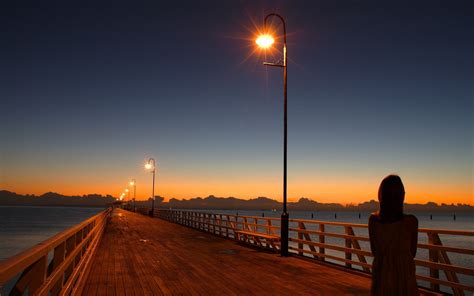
<point>325,191</point>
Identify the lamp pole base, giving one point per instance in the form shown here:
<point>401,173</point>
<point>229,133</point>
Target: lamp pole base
<point>284,234</point>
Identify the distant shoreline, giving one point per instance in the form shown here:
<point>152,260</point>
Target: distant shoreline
<point>240,209</point>
<point>211,202</point>
<point>51,206</point>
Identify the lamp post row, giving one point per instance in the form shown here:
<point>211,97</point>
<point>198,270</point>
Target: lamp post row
<point>151,164</point>
<point>263,41</point>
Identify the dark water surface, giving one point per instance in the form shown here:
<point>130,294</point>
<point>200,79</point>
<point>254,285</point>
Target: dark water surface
<point>22,227</point>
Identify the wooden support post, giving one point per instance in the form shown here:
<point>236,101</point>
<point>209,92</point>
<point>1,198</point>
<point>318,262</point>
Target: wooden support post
<point>38,275</point>
<point>444,259</point>
<point>220,224</point>
<point>270,228</point>
<point>300,236</point>
<point>348,244</point>
<point>227,226</point>
<point>433,256</point>
<point>322,240</point>
<point>356,245</point>
<point>58,257</point>
<point>70,246</point>
<point>307,237</point>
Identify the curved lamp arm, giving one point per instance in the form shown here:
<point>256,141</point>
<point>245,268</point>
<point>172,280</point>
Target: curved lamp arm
<point>284,38</point>
<point>154,163</point>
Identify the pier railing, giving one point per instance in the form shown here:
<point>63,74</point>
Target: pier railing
<point>342,243</point>
<point>58,265</point>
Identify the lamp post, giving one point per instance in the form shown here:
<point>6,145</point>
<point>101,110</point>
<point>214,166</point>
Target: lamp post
<point>265,41</point>
<point>121,199</point>
<point>134,184</point>
<point>148,166</point>
<point>127,192</point>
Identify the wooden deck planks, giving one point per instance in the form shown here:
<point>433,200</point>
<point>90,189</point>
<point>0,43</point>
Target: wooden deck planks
<point>139,255</point>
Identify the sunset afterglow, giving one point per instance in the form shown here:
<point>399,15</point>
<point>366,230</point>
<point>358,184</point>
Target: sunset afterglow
<point>367,98</point>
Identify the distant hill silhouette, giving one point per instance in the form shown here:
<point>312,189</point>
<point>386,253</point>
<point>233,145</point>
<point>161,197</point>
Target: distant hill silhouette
<point>54,199</point>
<point>219,203</point>
<point>303,204</point>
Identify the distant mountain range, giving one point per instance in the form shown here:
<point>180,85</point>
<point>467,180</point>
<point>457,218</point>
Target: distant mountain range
<point>303,204</point>
<point>219,203</point>
<point>55,199</point>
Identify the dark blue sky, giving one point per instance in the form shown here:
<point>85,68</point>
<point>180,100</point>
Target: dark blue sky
<point>90,90</point>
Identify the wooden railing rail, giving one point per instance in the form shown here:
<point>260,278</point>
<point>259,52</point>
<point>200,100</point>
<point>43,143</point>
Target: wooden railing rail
<point>437,262</point>
<point>224,225</point>
<point>64,273</point>
<point>309,238</point>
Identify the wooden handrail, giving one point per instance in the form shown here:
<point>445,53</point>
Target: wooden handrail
<point>332,234</point>
<point>447,231</point>
<point>446,248</point>
<point>72,252</point>
<point>333,247</point>
<point>311,241</point>
<point>330,223</point>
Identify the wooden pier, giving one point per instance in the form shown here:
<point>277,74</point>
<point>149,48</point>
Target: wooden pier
<point>139,255</point>
<point>119,252</point>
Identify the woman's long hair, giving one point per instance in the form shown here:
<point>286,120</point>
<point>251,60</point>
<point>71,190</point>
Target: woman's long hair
<point>391,196</point>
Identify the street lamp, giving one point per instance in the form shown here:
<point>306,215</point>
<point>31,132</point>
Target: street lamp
<point>149,166</point>
<point>265,41</point>
<point>127,192</point>
<point>134,184</point>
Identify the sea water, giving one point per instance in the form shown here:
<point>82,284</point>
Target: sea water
<point>22,227</point>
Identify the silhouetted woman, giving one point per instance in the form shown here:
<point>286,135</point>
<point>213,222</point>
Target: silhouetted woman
<point>393,240</point>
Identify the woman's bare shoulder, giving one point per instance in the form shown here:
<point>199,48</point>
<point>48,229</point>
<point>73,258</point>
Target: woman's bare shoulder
<point>374,217</point>
<point>412,219</point>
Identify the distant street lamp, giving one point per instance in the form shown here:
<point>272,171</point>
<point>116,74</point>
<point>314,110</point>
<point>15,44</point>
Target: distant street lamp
<point>149,166</point>
<point>134,184</point>
<point>265,41</point>
<point>127,192</point>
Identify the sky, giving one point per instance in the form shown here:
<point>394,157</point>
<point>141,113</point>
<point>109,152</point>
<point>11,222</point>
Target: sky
<point>91,90</point>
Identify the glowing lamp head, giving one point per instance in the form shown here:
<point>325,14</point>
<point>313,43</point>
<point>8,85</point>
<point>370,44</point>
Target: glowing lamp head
<point>264,41</point>
<point>126,190</point>
<point>148,166</point>
<point>132,183</point>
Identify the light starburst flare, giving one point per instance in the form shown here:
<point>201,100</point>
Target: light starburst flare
<point>265,41</point>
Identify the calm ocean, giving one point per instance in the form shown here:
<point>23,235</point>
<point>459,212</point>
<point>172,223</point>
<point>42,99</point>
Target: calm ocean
<point>22,227</point>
